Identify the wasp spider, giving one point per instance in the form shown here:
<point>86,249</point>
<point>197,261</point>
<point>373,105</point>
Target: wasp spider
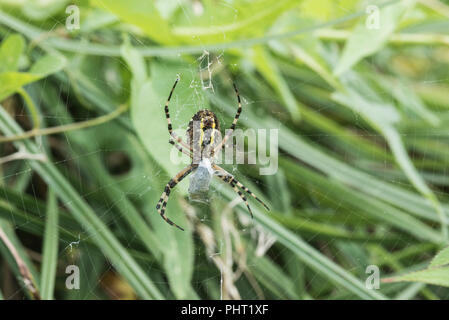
<point>205,126</point>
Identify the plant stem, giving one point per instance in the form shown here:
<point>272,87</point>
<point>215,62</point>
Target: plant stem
<point>396,38</point>
<point>21,155</point>
<point>23,269</point>
<point>67,127</point>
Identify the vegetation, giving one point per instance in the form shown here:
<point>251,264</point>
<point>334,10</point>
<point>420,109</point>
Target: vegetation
<point>357,91</point>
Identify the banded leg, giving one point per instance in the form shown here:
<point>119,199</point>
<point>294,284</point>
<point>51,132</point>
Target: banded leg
<point>223,172</point>
<point>167,115</point>
<point>180,148</point>
<point>232,182</point>
<point>162,203</point>
<point>234,123</point>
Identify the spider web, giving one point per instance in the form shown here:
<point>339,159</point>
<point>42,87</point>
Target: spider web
<point>237,229</point>
<point>79,251</point>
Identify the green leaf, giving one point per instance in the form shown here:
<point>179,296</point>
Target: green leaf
<point>32,223</point>
<point>10,82</point>
<point>310,58</point>
<point>142,14</point>
<point>244,19</point>
<point>268,68</point>
<point>10,51</point>
<point>366,205</point>
<point>271,276</point>
<point>135,62</point>
<point>365,41</point>
<point>48,64</point>
<point>436,276</point>
<point>437,273</point>
<point>8,229</point>
<point>324,10</point>
<point>97,19</point>
<point>441,259</point>
<point>403,92</point>
<point>37,10</point>
<point>50,248</point>
<point>147,111</point>
<point>149,120</point>
<point>383,117</point>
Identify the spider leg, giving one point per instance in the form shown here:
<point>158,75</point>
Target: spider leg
<point>180,148</point>
<point>162,203</point>
<point>167,115</point>
<point>234,182</point>
<point>236,118</point>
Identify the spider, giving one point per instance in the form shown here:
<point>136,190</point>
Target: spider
<point>204,125</point>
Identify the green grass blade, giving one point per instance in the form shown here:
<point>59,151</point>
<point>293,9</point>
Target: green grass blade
<point>50,248</point>
<point>309,255</point>
<point>383,117</point>
<point>303,150</point>
<point>119,256</point>
<point>15,241</point>
<point>364,204</point>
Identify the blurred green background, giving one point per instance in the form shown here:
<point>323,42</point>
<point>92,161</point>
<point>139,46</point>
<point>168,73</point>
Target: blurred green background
<point>357,89</point>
